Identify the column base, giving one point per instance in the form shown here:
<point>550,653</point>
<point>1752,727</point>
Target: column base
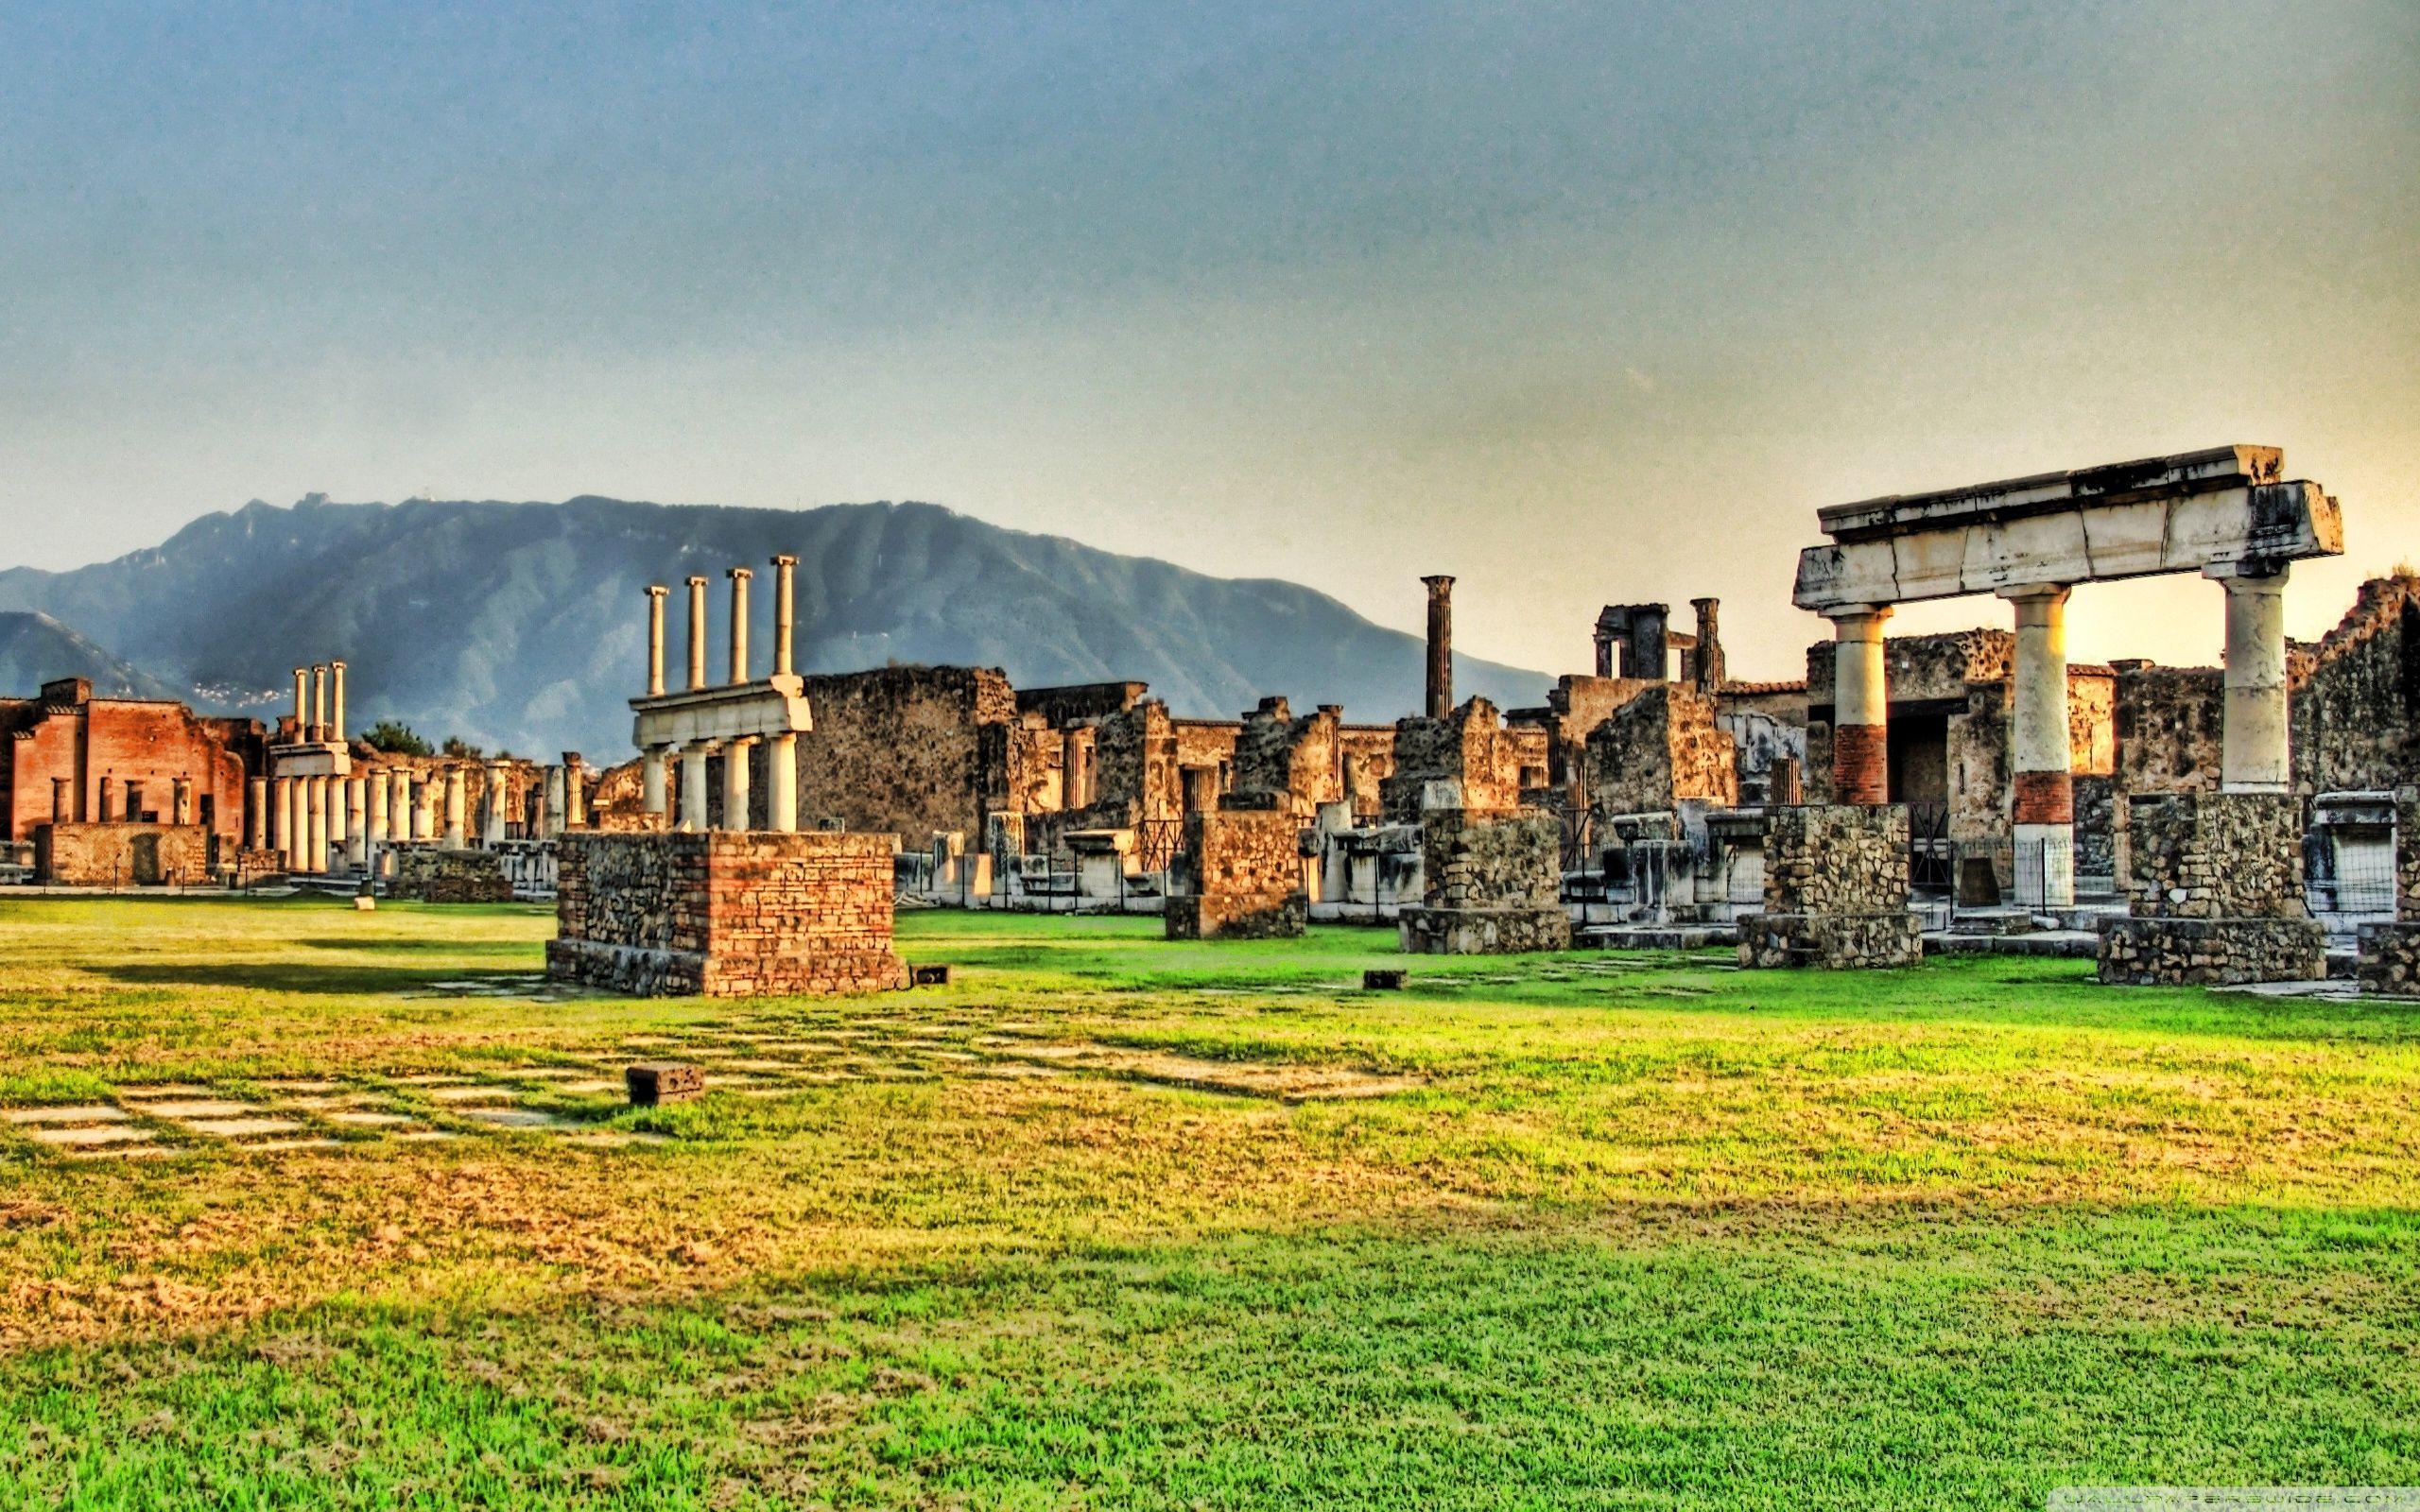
<point>1830,942</point>
<point>2164,952</point>
<point>1189,916</point>
<point>2045,861</point>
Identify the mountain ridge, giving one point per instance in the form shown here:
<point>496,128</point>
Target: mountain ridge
<point>522,625</point>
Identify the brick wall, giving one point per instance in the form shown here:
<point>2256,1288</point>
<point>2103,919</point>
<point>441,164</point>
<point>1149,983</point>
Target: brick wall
<point>727,915</point>
<point>1246,868</point>
<point>92,855</point>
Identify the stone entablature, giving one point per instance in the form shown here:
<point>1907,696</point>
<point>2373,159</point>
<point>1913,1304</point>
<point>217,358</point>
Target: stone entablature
<point>727,915</point>
<point>1245,869</point>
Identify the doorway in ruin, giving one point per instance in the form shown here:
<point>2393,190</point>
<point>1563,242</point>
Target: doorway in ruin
<point>1919,773</point>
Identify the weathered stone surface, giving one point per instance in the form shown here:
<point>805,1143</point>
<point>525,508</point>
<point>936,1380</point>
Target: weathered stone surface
<point>1659,748</point>
<point>430,874</point>
<point>1830,941</point>
<point>652,1083</point>
<point>2216,855</point>
<point>2357,710</point>
<point>138,855</point>
<point>1246,875</point>
<point>1836,890</point>
<point>2390,960</point>
<point>1482,930</point>
<point>2166,951</point>
<point>1490,884</point>
<point>727,914</point>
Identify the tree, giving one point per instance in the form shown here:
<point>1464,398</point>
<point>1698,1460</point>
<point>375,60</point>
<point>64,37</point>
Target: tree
<point>396,738</point>
<point>456,745</point>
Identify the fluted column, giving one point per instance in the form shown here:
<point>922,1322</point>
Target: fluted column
<point>693,785</point>
<point>315,847</point>
<point>339,816</point>
<point>356,840</point>
<point>1440,646</point>
<point>739,577</point>
<point>458,835</point>
<point>735,784</point>
<point>655,593</point>
<point>780,783</point>
<point>301,703</point>
<point>697,631</point>
<point>1861,708</point>
<point>377,792</point>
<point>785,580</point>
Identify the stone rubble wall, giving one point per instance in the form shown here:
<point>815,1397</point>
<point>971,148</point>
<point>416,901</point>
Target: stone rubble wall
<point>1470,749</point>
<point>1829,941</point>
<point>1836,890</point>
<point>1661,749</point>
<point>2168,723</point>
<point>1491,883</point>
<point>2356,717</point>
<point>122,855</point>
<point>2390,960</point>
<point>432,874</point>
<point>2170,951</point>
<point>1246,869</point>
<point>2216,855</point>
<point>727,914</point>
<point>2407,854</point>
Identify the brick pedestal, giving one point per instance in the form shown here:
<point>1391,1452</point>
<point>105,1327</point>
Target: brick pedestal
<point>2216,897</point>
<point>726,914</point>
<point>1836,890</point>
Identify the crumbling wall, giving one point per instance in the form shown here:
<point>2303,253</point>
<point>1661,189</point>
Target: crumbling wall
<point>726,914</point>
<point>431,874</point>
<point>1246,871</point>
<point>1658,750</point>
<point>1301,759</point>
<point>121,855</point>
<point>902,750</point>
<point>2356,715</point>
<point>1490,884</point>
<point>1470,749</point>
<point>2169,721</point>
<point>1836,890</point>
<point>2216,893</point>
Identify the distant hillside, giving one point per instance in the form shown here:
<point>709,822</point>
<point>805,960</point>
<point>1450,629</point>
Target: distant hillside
<point>523,624</point>
<point>35,649</point>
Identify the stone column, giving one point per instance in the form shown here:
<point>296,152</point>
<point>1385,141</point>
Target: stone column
<point>1071,769</point>
<point>651,794</point>
<point>314,845</point>
<point>301,703</point>
<point>425,824</point>
<point>339,815</point>
<point>655,593</point>
<point>180,800</point>
<point>499,786</point>
<point>575,793</point>
<point>2043,809</point>
<point>319,702</point>
<point>335,701</point>
<point>693,786</point>
<point>379,788</point>
<point>280,815</point>
<point>1440,646</point>
<point>399,820</point>
<point>256,815</point>
<point>739,577</point>
<point>736,784</point>
<point>1604,643</point>
<point>1860,707</point>
<point>697,631</point>
<point>458,835</point>
<point>550,813</point>
<point>780,783</point>
<point>2253,754</point>
<point>1706,665</point>
<point>357,839</point>
<point>785,580</point>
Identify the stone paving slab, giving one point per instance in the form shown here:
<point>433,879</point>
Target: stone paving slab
<point>231,1129</point>
<point>77,1113</point>
<point>96,1134</point>
<point>207,1108</point>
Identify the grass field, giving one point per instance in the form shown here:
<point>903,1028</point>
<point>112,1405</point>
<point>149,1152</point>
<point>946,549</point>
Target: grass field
<point>1113,1222</point>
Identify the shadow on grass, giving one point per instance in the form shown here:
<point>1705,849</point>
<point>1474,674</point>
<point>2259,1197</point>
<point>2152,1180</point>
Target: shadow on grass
<point>377,946</point>
<point>328,981</point>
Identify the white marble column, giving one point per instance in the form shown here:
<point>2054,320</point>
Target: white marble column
<point>735,783</point>
<point>1861,708</point>
<point>314,845</point>
<point>256,814</point>
<point>739,577</point>
<point>379,789</point>
<point>499,788</point>
<point>780,783</point>
<point>785,579</point>
<point>339,816</point>
<point>280,815</point>
<point>655,593</point>
<point>301,703</point>
<point>2253,756</point>
<point>2043,802</point>
<point>693,785</point>
<point>575,793</point>
<point>431,788</point>
<point>319,702</point>
<point>456,801</point>
<point>550,813</point>
<point>356,840</point>
<point>652,797</point>
<point>336,702</point>
<point>697,631</point>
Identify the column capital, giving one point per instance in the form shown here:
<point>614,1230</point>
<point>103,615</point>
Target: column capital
<point>1858,617</point>
<point>658,590</point>
<point>785,559</point>
<point>2261,577</point>
<point>739,575</point>
<point>1438,583</point>
<point>2030,591</point>
<point>696,579</point>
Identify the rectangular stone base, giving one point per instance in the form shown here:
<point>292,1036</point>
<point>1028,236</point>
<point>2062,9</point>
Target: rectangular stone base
<point>435,876</point>
<point>2154,951</point>
<point>642,972</point>
<point>1484,931</point>
<point>1188,917</point>
<point>2390,965</point>
<point>1830,941</point>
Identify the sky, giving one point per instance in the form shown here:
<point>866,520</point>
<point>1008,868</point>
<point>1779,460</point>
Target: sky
<point>1582,304</point>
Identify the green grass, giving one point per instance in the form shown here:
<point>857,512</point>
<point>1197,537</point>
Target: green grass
<point>1644,1231</point>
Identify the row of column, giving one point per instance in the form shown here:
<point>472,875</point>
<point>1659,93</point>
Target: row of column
<point>785,580</point>
<point>2253,753</point>
<point>111,810</point>
<point>304,817</point>
<point>781,781</point>
<point>319,702</point>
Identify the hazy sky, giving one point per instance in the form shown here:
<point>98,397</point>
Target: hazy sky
<point>1583,304</point>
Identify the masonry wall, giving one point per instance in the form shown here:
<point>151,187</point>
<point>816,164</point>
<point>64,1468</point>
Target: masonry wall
<point>902,750</point>
<point>1836,859</point>
<point>112,743</point>
<point>1491,860</point>
<point>1470,747</point>
<point>2168,723</point>
<point>141,855</point>
<point>2216,855</point>
<point>726,914</point>
<point>1246,871</point>
<point>428,873</point>
<point>1660,748</point>
<point>2356,714</point>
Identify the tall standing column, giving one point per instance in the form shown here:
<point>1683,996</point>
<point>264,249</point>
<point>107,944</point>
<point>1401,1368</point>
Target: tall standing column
<point>399,822</point>
<point>335,701</point>
<point>550,813</point>
<point>780,783</point>
<point>340,816</point>
<point>301,703</point>
<point>458,835</point>
<point>180,800</point>
<point>651,794</point>
<point>739,577</point>
<point>280,815</point>
<point>2253,752</point>
<point>357,838</point>
<point>697,631</point>
<point>693,786</point>
<point>2043,805</point>
<point>425,802</point>
<point>1861,708</point>
<point>655,593</point>
<point>314,846</point>
<point>499,788</point>
<point>1440,646</point>
<point>575,793</point>
<point>785,579</point>
<point>319,702</point>
<point>378,791</point>
<point>256,814</point>
<point>735,783</point>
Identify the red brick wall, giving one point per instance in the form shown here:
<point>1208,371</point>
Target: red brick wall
<point>120,741</point>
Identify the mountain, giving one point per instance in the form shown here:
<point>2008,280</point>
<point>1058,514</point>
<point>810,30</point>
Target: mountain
<point>523,624</point>
<point>35,649</point>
